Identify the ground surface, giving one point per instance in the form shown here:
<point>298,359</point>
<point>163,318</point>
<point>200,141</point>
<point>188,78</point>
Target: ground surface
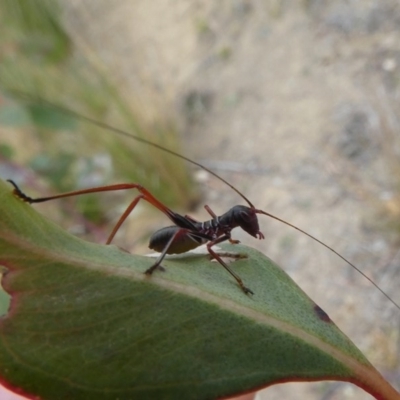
<point>295,105</point>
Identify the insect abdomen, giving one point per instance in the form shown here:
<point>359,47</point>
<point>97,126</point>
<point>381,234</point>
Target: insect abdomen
<point>182,243</point>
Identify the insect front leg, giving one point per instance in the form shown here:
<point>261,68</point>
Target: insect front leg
<point>219,259</point>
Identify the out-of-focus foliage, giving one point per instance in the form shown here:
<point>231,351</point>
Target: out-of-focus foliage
<point>40,58</point>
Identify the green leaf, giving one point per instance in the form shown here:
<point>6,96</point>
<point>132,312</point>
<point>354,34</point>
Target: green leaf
<point>86,323</point>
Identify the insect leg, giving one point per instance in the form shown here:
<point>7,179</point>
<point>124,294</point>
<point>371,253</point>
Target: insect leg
<point>145,194</point>
<point>219,259</point>
<point>179,232</point>
<point>123,217</point>
<point>110,188</point>
<point>211,212</point>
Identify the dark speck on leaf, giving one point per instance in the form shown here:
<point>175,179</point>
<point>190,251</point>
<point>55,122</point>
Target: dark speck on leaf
<point>321,314</point>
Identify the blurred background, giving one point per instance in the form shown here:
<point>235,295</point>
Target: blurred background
<point>295,103</point>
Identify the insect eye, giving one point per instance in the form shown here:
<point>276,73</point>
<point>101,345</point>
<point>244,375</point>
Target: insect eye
<point>248,222</point>
<point>244,215</point>
<point>247,216</point>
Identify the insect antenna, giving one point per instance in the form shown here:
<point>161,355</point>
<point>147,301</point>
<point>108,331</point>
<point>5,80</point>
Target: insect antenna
<point>103,125</point>
<point>332,250</point>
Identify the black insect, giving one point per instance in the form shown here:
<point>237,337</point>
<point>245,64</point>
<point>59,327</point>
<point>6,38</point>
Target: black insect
<point>186,233</point>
